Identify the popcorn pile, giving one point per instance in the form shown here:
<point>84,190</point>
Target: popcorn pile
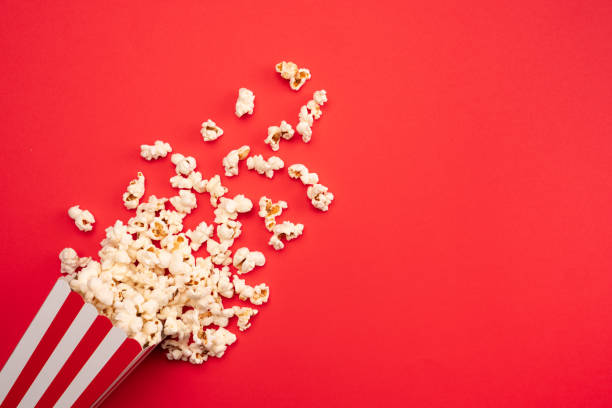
<point>149,281</point>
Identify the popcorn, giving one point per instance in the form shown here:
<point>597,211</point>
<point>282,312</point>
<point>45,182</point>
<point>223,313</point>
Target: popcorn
<point>299,171</point>
<point>83,219</point>
<point>266,167</point>
<point>193,181</point>
<point>245,102</point>
<point>318,194</point>
<point>135,191</point>
<point>297,77</point>
<point>276,133</point>
<point>184,165</point>
<point>228,209</point>
<point>286,230</point>
<point>245,261</point>
<point>244,316</point>
<point>155,151</point>
<point>210,131</point>
<point>215,189</point>
<point>200,235</point>
<point>309,112</point>
<point>148,280</point>
<point>320,197</point>
<point>219,252</point>
<point>70,261</point>
<point>230,162</point>
<point>228,231</point>
<point>257,295</point>
<point>184,202</point>
<point>269,210</point>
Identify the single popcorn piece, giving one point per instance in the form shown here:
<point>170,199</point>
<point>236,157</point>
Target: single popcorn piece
<point>297,76</point>
<point>210,131</point>
<point>287,230</point>
<point>320,197</point>
<point>70,261</point>
<point>245,261</point>
<point>230,162</point>
<point>200,235</point>
<point>135,191</point>
<point>184,165</point>
<point>266,167</point>
<point>308,113</point>
<point>83,219</point>
<point>276,133</point>
<point>184,202</point>
<point>299,171</point>
<point>215,189</point>
<point>245,102</point>
<point>269,210</point>
<point>244,315</point>
<point>157,150</point>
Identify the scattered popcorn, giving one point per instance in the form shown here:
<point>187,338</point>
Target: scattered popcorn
<point>287,230</point>
<point>244,315</point>
<point>269,210</point>
<point>266,167</point>
<point>184,202</point>
<point>310,112</point>
<point>70,261</point>
<point>299,171</point>
<point>245,261</point>
<point>297,76</point>
<point>184,165</point>
<point>230,162</point>
<point>148,280</point>
<point>155,151</point>
<point>135,191</point>
<point>83,219</point>
<point>320,197</point>
<point>210,131</point>
<point>276,133</point>
<point>245,102</point>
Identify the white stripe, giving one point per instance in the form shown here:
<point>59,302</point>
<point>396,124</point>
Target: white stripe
<point>64,349</point>
<point>32,336</point>
<point>92,367</point>
<point>105,394</point>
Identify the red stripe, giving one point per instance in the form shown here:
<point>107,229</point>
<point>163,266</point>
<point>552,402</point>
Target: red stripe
<point>48,342</point>
<point>128,372</point>
<point>113,368</point>
<point>100,327</point>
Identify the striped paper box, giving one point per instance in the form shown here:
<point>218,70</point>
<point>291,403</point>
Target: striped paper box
<point>70,356</point>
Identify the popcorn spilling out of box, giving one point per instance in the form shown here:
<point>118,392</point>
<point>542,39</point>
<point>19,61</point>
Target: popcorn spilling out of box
<point>148,280</point>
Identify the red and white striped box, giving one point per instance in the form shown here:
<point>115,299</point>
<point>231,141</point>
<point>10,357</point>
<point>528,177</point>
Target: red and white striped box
<point>70,356</point>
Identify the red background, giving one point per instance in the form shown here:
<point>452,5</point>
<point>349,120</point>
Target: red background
<point>466,260</point>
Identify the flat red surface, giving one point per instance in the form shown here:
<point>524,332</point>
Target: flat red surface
<point>466,260</point>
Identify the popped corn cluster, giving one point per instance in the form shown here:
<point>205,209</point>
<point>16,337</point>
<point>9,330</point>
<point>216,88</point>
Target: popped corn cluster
<point>318,194</point>
<point>310,112</point>
<point>297,77</point>
<point>150,282</point>
<point>262,166</point>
